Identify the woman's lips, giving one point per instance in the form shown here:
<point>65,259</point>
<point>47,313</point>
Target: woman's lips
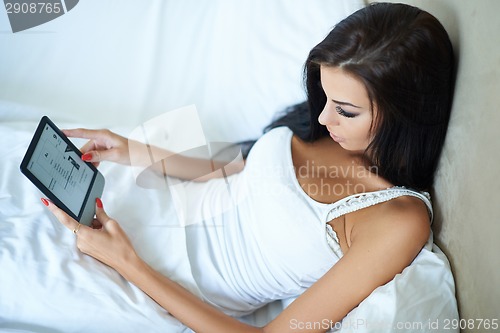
<point>336,138</point>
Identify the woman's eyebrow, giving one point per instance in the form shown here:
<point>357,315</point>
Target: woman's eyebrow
<point>345,103</point>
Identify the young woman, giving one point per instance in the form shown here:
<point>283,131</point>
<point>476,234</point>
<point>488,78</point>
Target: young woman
<point>346,210</point>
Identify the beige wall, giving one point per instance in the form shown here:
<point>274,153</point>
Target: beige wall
<point>467,189</point>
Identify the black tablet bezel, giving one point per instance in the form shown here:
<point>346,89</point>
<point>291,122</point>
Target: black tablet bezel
<point>29,153</point>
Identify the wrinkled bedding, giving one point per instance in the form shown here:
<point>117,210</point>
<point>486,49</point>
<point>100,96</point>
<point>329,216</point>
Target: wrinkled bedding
<point>47,285</point>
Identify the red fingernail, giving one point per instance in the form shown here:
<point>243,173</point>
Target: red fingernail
<point>44,201</point>
<point>98,202</point>
<point>87,157</point>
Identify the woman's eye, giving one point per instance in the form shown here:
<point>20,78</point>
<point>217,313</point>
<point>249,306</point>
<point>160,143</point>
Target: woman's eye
<point>342,112</point>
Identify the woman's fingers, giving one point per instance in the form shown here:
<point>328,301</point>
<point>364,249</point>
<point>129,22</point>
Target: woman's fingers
<point>96,156</point>
<point>101,217</point>
<point>109,245</point>
<point>82,133</point>
<point>100,214</point>
<point>64,218</point>
<point>103,145</point>
<point>101,138</point>
<point>89,146</point>
<point>87,152</point>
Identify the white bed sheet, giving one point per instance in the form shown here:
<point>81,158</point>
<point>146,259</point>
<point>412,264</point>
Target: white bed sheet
<point>46,285</point>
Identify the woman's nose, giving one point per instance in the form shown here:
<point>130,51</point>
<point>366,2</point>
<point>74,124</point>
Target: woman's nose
<point>329,116</point>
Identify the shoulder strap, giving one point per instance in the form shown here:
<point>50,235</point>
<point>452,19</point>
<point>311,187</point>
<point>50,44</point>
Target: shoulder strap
<point>362,200</point>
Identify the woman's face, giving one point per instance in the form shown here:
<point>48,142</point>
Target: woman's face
<point>346,114</point>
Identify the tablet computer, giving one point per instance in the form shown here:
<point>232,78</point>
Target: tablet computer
<point>54,165</point>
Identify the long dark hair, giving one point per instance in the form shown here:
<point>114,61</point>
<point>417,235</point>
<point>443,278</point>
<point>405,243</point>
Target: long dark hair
<point>404,57</point>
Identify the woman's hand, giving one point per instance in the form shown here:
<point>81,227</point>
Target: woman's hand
<point>105,240</point>
<point>103,145</point>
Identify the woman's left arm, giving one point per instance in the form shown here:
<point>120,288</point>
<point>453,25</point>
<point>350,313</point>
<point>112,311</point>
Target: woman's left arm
<point>380,250</point>
<point>108,243</point>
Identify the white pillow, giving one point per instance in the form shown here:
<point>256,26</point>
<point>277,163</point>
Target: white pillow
<point>420,299</point>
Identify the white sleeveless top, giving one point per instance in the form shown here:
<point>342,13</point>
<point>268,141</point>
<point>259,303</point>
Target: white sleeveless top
<point>256,236</point>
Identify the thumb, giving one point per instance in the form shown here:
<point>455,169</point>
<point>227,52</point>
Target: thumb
<point>100,214</point>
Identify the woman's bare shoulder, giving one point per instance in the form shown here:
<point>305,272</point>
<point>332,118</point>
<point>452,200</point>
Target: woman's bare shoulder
<point>403,219</point>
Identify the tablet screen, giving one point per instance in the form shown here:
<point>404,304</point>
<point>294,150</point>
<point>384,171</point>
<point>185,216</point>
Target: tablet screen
<point>60,169</point>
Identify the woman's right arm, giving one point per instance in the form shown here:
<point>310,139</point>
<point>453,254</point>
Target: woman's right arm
<point>104,145</point>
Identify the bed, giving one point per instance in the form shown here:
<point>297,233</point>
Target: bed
<point>240,65</point>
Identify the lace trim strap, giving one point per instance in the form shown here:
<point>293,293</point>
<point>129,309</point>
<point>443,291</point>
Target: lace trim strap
<point>359,201</point>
